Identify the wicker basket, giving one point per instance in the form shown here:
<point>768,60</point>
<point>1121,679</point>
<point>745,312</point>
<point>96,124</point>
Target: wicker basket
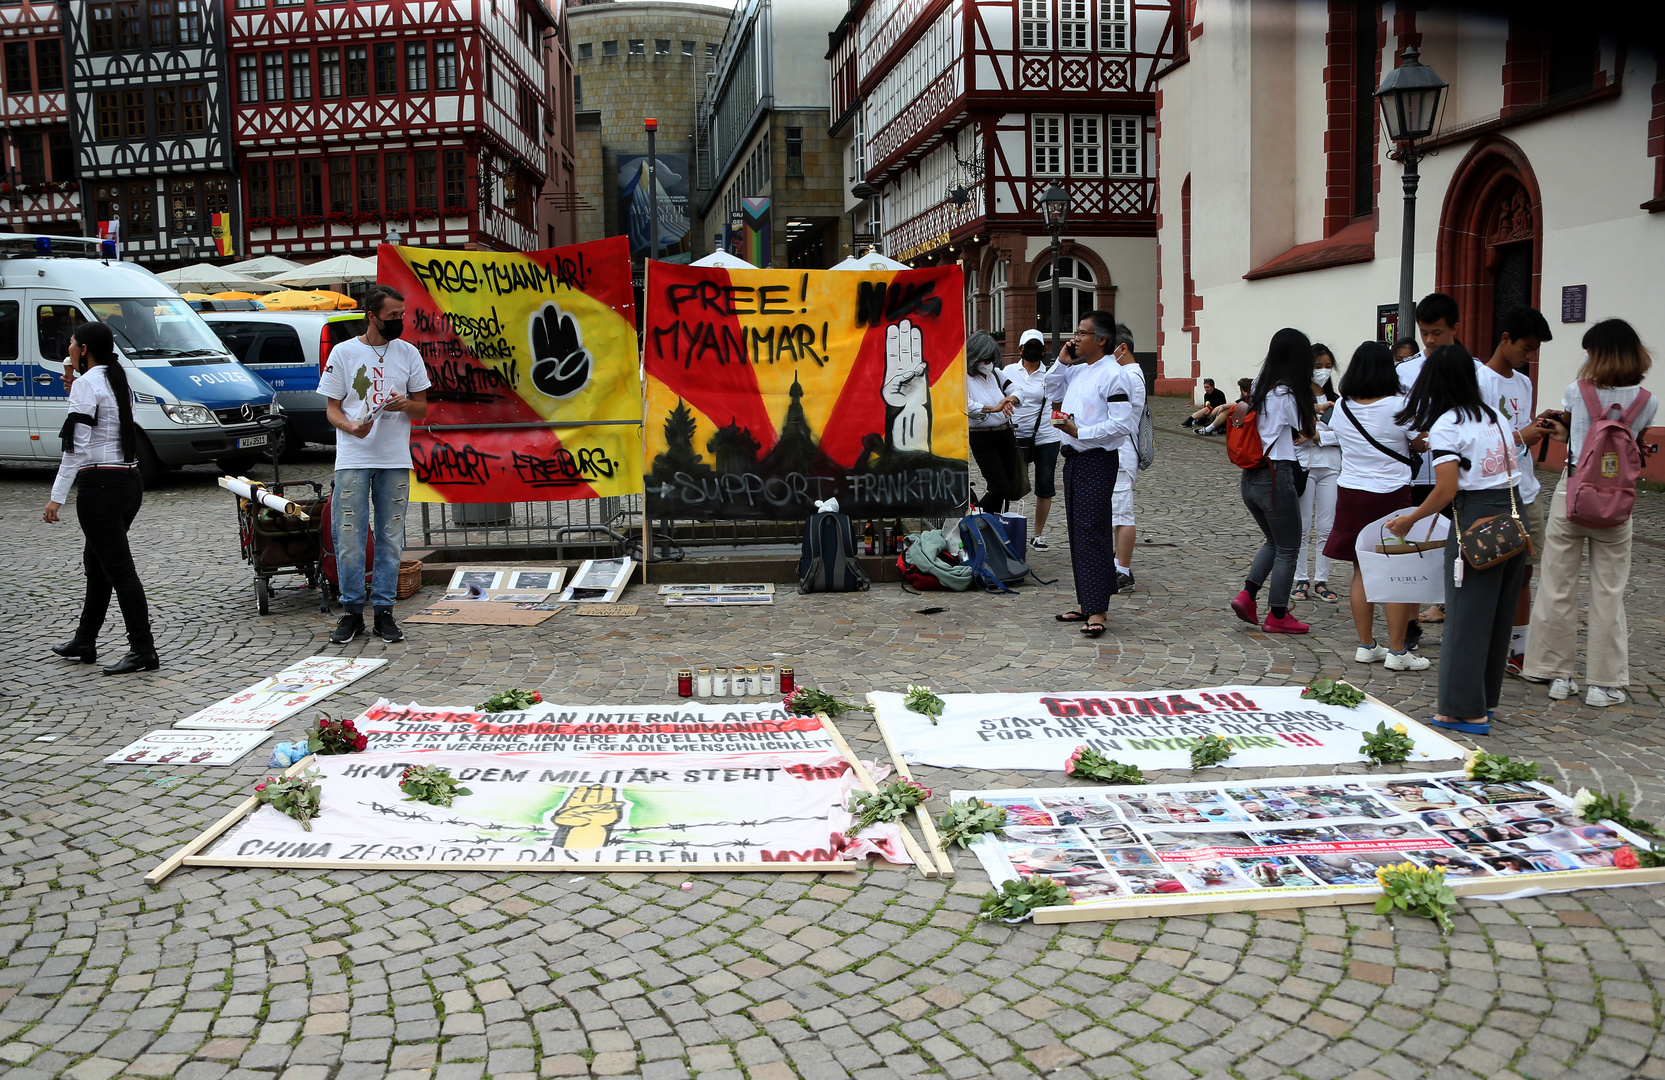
<point>410,579</point>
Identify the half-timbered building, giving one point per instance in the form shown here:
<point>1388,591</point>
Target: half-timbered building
<point>439,120</point>
<point>961,113</point>
<point>38,188</point>
<point>148,107</point>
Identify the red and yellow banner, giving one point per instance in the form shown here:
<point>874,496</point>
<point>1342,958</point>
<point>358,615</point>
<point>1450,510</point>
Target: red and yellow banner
<point>220,230</point>
<point>770,389</point>
<point>534,363</point>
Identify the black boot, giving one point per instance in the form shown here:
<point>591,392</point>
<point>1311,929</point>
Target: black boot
<point>135,661</point>
<point>74,650</point>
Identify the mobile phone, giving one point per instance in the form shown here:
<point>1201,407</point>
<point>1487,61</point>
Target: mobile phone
<point>1069,347</point>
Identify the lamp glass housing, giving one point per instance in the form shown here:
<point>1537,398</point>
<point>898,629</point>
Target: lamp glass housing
<point>1410,98</point>
<point>1055,206</point>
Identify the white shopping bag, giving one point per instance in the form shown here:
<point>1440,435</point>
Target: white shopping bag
<point>1409,577</point>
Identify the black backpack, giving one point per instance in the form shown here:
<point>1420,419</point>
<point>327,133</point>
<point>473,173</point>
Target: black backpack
<point>828,562</point>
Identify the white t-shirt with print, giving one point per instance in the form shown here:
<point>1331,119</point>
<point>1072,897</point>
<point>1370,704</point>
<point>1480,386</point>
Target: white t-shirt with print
<point>1511,396</point>
<point>363,379</point>
<point>1479,442</point>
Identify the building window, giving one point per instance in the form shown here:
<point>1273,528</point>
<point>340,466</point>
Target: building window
<point>1049,145</point>
<point>1076,295</point>
<point>453,179</point>
<point>300,75</point>
<point>109,116</point>
<point>183,219</point>
<point>248,79</point>
<point>193,110</point>
<point>133,113</point>
<point>393,185</point>
<point>274,76</point>
<point>1126,138</point>
<point>1072,24</point>
<point>369,182</point>
<point>427,179</point>
<point>161,22</point>
<point>997,299</point>
<point>103,27</point>
<point>49,64</point>
<point>19,79</point>
<point>329,73</point>
<point>341,185</point>
<point>62,149</point>
<point>244,5</point>
<point>140,219</point>
<point>688,48</point>
<point>106,205</point>
<point>127,26</point>
<point>188,18</point>
<point>260,190</point>
<point>167,112</point>
<point>578,91</point>
<point>1086,153</point>
<point>416,67</point>
<point>971,301</point>
<point>387,69</point>
<point>1112,25</point>
<point>661,47</point>
<point>358,72</point>
<point>638,47</point>
<point>528,107</point>
<point>216,197</point>
<point>609,48</point>
<point>31,162</point>
<point>312,186</point>
<point>445,65</point>
<point>794,151</point>
<point>1035,24</point>
<point>283,175</point>
<point>586,50</point>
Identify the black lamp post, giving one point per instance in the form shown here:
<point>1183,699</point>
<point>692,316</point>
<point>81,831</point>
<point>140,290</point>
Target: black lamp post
<point>1410,97</point>
<point>1055,207</point>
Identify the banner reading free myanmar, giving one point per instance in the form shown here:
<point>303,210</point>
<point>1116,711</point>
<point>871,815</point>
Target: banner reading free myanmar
<point>770,389</point>
<point>533,359</point>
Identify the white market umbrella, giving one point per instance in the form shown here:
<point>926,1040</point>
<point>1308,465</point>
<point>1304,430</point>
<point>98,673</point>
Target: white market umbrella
<point>724,260</point>
<point>264,267</point>
<point>343,269</point>
<point>873,260</point>
<point>208,278</point>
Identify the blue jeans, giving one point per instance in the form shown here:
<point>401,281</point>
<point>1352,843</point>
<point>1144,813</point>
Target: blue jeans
<point>355,490</point>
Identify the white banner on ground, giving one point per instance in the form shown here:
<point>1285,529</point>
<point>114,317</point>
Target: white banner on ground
<point>188,748</point>
<point>1132,851</point>
<point>553,810</point>
<point>563,729</point>
<point>1408,576</point>
<point>1269,726</point>
<point>273,700</point>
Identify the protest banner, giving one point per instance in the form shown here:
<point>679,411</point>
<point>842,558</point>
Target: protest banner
<point>1267,726</point>
<point>768,390</point>
<point>276,698</point>
<point>1178,849</point>
<point>534,364</point>
<point>188,748</point>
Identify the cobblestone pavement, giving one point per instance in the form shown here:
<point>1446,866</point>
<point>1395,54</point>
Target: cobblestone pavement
<point>264,975</point>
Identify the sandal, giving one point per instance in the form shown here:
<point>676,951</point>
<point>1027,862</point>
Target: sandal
<point>1325,593</point>
<point>1094,629</point>
<point>1299,592</point>
<point>1071,616</point>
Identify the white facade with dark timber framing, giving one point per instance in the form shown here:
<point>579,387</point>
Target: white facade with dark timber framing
<point>39,191</point>
<point>148,106</point>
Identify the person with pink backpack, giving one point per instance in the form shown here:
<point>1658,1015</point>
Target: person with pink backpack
<point>1602,418</point>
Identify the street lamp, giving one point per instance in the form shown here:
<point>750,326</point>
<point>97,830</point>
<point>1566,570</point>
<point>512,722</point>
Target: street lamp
<point>1410,97</point>
<point>1055,208</point>
<point>651,126</point>
<point>393,236</point>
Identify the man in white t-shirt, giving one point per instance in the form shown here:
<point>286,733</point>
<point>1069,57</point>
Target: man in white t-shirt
<point>1522,331</point>
<point>375,385</point>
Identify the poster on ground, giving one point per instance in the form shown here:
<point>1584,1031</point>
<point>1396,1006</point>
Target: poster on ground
<point>768,390</point>
<point>274,699</point>
<point>1131,850</point>
<point>1268,727</point>
<point>188,748</point>
<point>533,358</point>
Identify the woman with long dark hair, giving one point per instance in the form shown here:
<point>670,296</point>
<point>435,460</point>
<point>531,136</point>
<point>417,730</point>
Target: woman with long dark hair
<point>989,407</point>
<point>100,456</point>
<point>1286,418</point>
<point>1474,474</point>
<point>1321,458</point>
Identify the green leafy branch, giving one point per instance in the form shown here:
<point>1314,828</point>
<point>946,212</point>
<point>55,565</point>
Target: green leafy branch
<point>1090,764</point>
<point>964,822</point>
<point>1210,750</point>
<point>1387,745</point>
<point>1497,769</point>
<point>1018,899</point>
<point>889,803</point>
<point>1333,692</point>
<point>920,700</point>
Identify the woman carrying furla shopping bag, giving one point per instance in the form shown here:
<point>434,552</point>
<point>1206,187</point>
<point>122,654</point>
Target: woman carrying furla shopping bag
<point>1474,474</point>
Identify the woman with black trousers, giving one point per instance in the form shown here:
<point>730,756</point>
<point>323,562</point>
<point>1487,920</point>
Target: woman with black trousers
<point>989,404</point>
<point>100,456</point>
<point>1285,417</point>
<point>1474,474</point>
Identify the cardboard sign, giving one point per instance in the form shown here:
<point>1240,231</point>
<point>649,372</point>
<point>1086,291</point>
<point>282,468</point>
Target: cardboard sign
<point>188,748</point>
<point>274,699</point>
<point>481,613</point>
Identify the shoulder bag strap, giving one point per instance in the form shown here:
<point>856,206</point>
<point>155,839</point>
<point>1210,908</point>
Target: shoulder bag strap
<point>1371,439</point>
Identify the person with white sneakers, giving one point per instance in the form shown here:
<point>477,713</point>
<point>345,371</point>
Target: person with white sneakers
<point>1038,441</point>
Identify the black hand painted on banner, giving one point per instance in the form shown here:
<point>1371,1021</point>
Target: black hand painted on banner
<point>560,363</point>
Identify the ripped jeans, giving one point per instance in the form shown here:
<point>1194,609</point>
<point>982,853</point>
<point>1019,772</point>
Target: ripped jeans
<point>355,490</point>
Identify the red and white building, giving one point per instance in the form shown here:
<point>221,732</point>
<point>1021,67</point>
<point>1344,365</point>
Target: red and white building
<point>959,114</point>
<point>446,121</point>
<point>39,187</point>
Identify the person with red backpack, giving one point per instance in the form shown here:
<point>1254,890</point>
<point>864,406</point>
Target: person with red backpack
<point>1262,441</point>
<point>1603,417</point>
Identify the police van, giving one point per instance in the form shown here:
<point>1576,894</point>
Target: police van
<point>289,350</point>
<point>193,402</point>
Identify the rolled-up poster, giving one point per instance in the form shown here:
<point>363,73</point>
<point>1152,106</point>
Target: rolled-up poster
<point>245,488</point>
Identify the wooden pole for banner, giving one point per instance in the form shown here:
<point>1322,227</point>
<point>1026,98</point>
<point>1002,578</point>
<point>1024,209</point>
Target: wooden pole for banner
<point>232,862</point>
<point>927,865</point>
<point>184,855</point>
<point>641,389</point>
<point>939,851</point>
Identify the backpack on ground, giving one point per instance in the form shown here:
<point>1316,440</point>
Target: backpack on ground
<point>989,553</point>
<point>828,562</point>
<point>1145,442</point>
<point>1601,492</point>
<point>1243,438</point>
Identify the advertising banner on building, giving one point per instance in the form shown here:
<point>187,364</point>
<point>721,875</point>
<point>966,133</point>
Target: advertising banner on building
<point>534,362</point>
<point>636,208</point>
<point>768,390</point>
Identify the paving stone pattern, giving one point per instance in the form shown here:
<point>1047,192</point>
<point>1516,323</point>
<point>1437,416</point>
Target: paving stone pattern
<point>262,975</point>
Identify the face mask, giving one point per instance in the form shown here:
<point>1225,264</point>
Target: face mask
<point>1321,376</point>
<point>392,328</point>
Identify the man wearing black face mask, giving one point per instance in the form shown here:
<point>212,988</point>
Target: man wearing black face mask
<point>375,386</point>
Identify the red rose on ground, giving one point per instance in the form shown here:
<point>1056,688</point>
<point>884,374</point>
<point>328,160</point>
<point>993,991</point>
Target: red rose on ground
<point>1625,859</point>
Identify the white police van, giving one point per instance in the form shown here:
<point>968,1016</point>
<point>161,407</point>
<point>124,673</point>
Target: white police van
<point>193,401</point>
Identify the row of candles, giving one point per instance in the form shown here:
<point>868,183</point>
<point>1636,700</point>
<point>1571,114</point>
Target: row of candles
<point>750,680</point>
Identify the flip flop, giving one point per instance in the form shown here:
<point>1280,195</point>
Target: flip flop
<point>1071,616</point>
<point>1458,725</point>
<point>1094,629</point>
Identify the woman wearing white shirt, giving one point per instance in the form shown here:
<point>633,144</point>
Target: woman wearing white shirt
<point>100,456</point>
<point>1474,474</point>
<point>1285,417</point>
<point>988,409</point>
<point>1321,458</point>
<point>1038,441</point>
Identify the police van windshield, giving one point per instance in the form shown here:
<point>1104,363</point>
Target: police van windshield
<point>156,329</point>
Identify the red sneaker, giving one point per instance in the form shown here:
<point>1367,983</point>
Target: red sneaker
<point>1289,624</point>
<point>1244,605</point>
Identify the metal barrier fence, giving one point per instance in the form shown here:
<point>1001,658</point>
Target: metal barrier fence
<point>614,522</point>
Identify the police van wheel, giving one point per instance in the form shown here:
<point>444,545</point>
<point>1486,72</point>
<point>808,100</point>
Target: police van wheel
<point>262,596</point>
<point>285,446</point>
<point>238,466</point>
